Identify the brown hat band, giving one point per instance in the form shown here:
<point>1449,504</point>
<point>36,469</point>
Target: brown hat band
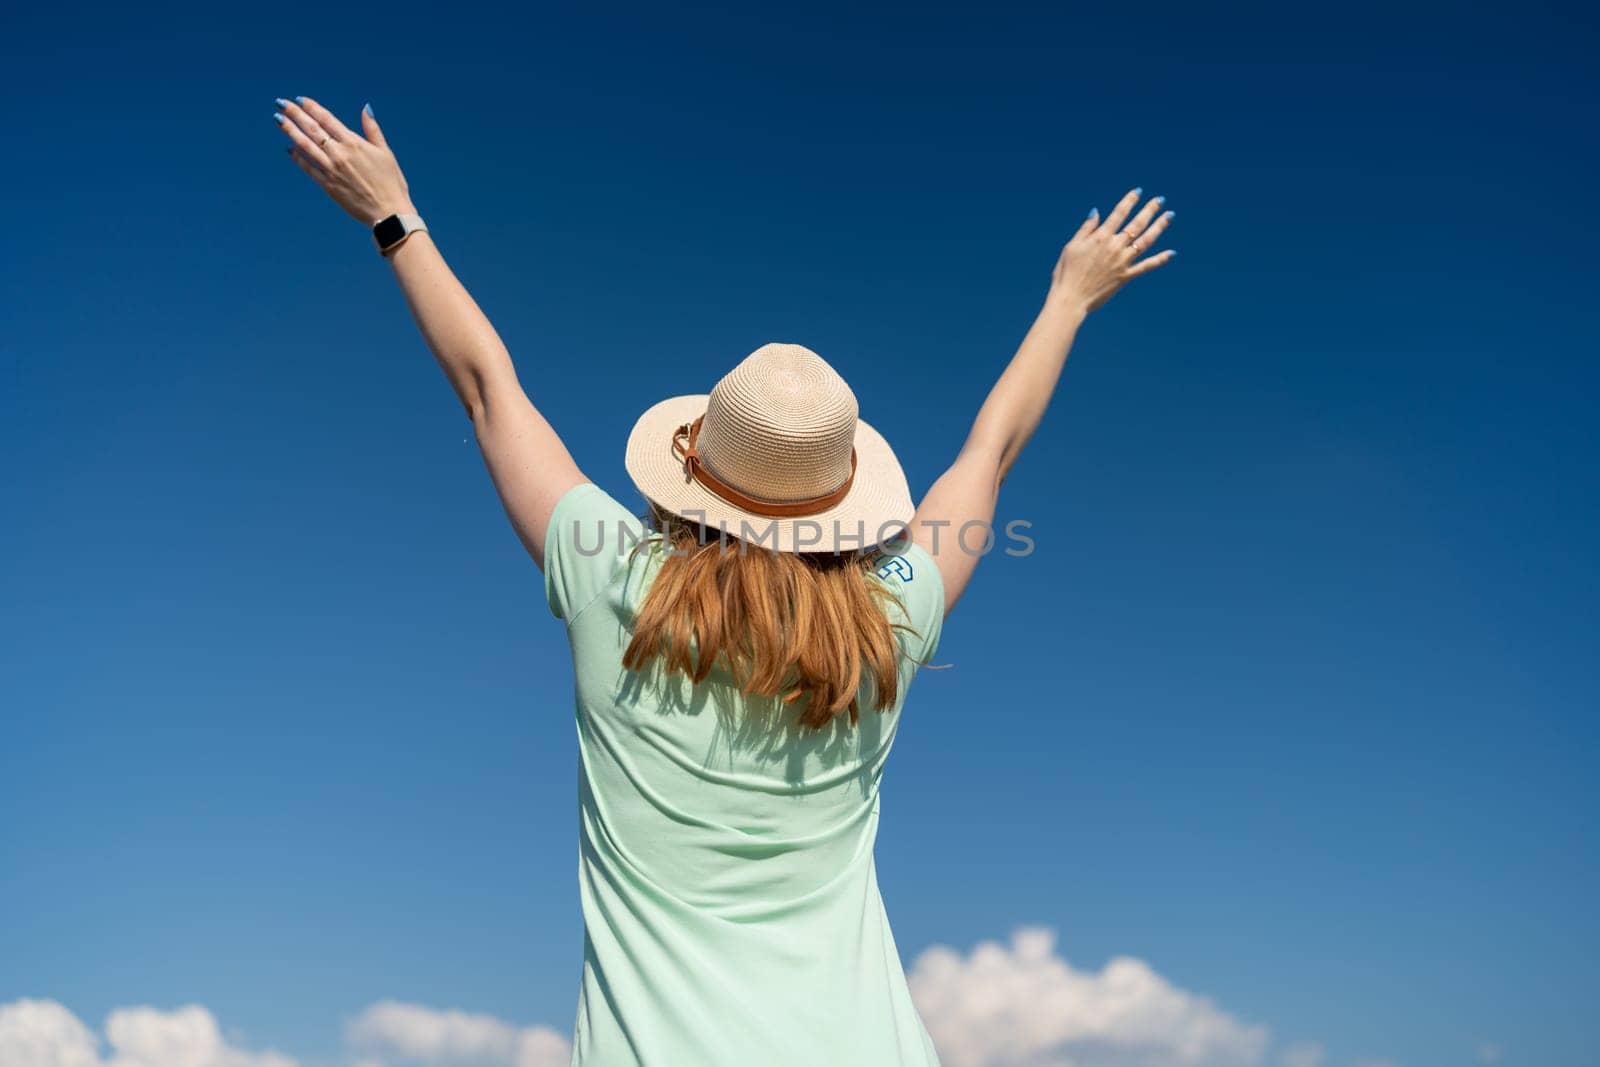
<point>684,439</point>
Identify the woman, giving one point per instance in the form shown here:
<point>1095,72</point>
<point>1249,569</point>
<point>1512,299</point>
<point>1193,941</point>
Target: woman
<point>742,658</point>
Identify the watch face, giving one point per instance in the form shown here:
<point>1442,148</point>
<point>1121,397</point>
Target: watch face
<point>388,231</point>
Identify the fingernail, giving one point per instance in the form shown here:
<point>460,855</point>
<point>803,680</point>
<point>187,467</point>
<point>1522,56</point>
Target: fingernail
<point>1139,191</point>
<point>279,119</point>
<point>300,100</point>
<point>1172,251</point>
<point>368,109</point>
<point>1093,212</point>
<point>1161,200</point>
<point>1169,216</point>
<point>281,102</point>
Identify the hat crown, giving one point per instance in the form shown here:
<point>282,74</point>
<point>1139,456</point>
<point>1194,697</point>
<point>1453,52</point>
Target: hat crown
<point>780,426</point>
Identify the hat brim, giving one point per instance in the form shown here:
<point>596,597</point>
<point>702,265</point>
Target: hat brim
<point>877,507</point>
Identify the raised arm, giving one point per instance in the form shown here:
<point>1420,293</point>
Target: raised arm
<point>1099,260</point>
<point>528,463</point>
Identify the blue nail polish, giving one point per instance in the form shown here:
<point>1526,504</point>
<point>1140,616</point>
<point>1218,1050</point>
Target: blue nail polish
<point>281,102</point>
<point>1093,212</point>
<point>1172,251</point>
<point>279,119</point>
<point>1169,216</point>
<point>368,109</point>
<point>1161,200</point>
<point>300,100</point>
<point>1139,191</point>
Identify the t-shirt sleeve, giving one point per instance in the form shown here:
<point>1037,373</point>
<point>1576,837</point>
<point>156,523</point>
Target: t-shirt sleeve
<point>589,536</point>
<point>910,573</point>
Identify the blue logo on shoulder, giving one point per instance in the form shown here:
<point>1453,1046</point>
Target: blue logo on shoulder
<point>895,566</point>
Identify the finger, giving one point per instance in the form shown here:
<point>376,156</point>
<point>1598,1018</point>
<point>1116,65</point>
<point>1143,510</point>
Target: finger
<point>1119,214</point>
<point>301,141</point>
<point>1150,263</point>
<point>300,157</point>
<point>306,165</point>
<point>306,121</point>
<point>329,120</point>
<point>369,123</point>
<point>1153,234</point>
<point>1137,224</point>
<point>1088,224</point>
<point>315,134</point>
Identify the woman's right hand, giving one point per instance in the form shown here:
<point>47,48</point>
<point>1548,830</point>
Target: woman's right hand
<point>1103,256</point>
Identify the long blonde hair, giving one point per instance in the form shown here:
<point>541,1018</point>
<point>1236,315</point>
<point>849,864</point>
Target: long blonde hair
<point>790,625</point>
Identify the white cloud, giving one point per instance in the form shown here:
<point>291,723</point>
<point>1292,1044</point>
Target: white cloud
<point>188,1037</point>
<point>1024,1006</point>
<point>43,1033</point>
<point>1016,1005</point>
<point>425,1035</point>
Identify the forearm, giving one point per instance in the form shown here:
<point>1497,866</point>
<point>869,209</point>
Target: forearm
<point>468,349</point>
<point>1019,398</point>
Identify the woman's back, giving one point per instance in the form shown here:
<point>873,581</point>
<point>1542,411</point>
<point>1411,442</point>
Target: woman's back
<point>726,870</point>
<point>726,853</point>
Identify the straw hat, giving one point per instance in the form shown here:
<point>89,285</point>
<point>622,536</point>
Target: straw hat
<point>773,455</point>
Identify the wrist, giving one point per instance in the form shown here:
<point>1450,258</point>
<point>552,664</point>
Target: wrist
<point>403,207</point>
<point>394,230</point>
<point>1065,306</point>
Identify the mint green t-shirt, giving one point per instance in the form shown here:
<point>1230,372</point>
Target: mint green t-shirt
<point>725,866</point>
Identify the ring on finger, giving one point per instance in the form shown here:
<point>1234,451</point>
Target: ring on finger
<point>325,139</point>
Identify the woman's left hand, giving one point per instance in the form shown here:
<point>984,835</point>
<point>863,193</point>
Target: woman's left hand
<point>1102,257</point>
<point>360,173</point>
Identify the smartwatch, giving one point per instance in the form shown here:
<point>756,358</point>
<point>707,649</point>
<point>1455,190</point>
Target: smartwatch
<point>389,232</point>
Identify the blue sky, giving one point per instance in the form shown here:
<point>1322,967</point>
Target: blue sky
<point>1294,701</point>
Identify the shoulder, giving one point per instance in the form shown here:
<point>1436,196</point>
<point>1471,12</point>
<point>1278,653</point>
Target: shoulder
<point>910,573</point>
<point>589,535</point>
